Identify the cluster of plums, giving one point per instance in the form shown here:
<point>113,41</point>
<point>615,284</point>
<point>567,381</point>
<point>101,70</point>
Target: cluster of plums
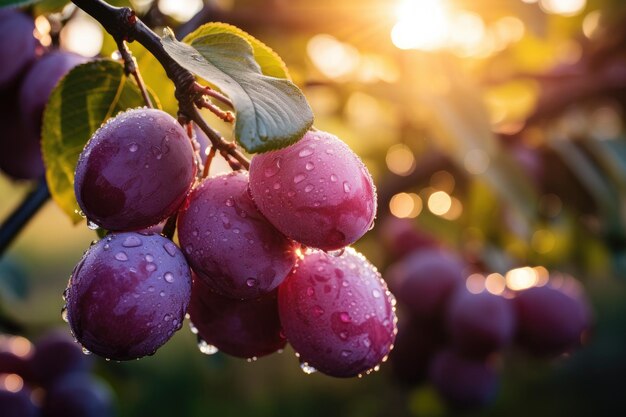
<point>28,74</point>
<point>49,379</point>
<point>263,256</point>
<point>452,337</point>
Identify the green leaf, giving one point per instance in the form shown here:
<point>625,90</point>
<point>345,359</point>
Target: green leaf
<point>87,96</point>
<point>271,112</point>
<point>16,3</point>
<point>271,64</point>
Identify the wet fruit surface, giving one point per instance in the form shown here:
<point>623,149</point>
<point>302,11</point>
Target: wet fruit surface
<point>337,313</point>
<point>228,243</point>
<point>135,171</point>
<point>128,295</point>
<point>317,191</point>
<point>242,328</point>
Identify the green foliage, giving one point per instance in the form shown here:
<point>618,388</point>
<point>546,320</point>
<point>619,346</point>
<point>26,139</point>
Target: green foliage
<point>271,112</point>
<point>89,95</point>
<point>271,64</point>
<point>16,3</point>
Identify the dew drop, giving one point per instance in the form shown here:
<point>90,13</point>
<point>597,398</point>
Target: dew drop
<point>167,317</point>
<point>336,253</point>
<point>317,310</point>
<point>149,258</point>
<point>86,351</point>
<point>251,282</point>
<point>133,147</point>
<point>367,342</point>
<point>345,317</point>
<point>230,202</point>
<point>131,242</point>
<point>207,349</point>
<point>273,169</point>
<point>276,186</point>
<point>107,246</point>
<point>299,178</point>
<point>343,335</point>
<point>307,369</point>
<point>346,187</point>
<point>305,152</point>
<point>121,256</point>
<point>169,277</point>
<point>151,289</point>
<point>310,291</point>
<point>291,194</point>
<point>346,353</point>
<point>376,293</point>
<point>151,267</point>
<point>64,314</point>
<point>333,178</point>
<point>92,226</point>
<point>162,293</point>
<point>308,188</point>
<point>309,166</point>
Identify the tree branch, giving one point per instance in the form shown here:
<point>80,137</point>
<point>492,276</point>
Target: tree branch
<point>123,25</point>
<point>23,213</point>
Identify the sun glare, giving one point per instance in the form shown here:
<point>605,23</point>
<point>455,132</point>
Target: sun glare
<point>422,24</point>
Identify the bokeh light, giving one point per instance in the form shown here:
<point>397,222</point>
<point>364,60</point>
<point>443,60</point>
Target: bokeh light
<point>82,35</point>
<point>439,203</point>
<point>563,7</point>
<point>400,159</point>
<point>332,57</point>
<point>405,205</point>
<point>181,10</point>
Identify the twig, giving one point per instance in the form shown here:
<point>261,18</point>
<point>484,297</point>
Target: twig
<point>207,164</point>
<point>131,68</point>
<point>23,213</point>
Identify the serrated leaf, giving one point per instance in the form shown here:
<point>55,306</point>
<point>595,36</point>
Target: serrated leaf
<point>271,64</point>
<point>86,97</point>
<point>16,3</point>
<point>271,112</point>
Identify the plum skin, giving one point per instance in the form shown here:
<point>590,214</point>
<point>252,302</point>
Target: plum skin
<point>337,313</point>
<point>316,191</point>
<point>18,48</point>
<point>550,321</point>
<point>128,295</point>
<point>480,324</point>
<point>242,328</point>
<point>135,170</point>
<point>425,280</point>
<point>218,224</point>
<point>464,383</point>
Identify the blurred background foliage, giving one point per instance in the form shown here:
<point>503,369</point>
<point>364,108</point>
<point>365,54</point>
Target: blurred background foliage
<point>495,125</point>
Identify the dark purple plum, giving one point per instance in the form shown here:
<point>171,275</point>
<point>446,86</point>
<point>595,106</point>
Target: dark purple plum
<point>242,328</point>
<point>20,154</point>
<point>424,281</point>
<point>18,46</point>
<point>78,395</point>
<point>337,313</point>
<point>549,321</point>
<point>316,191</point>
<point>416,343</point>
<point>34,92</point>
<point>463,383</point>
<point>135,171</point>
<point>56,355</point>
<point>17,404</point>
<point>228,242</point>
<point>479,324</point>
<point>401,237</point>
<point>128,295</point>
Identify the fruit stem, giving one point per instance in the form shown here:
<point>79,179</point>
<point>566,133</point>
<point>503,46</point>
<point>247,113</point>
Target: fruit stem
<point>23,213</point>
<point>131,68</point>
<point>123,25</point>
<point>209,159</point>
